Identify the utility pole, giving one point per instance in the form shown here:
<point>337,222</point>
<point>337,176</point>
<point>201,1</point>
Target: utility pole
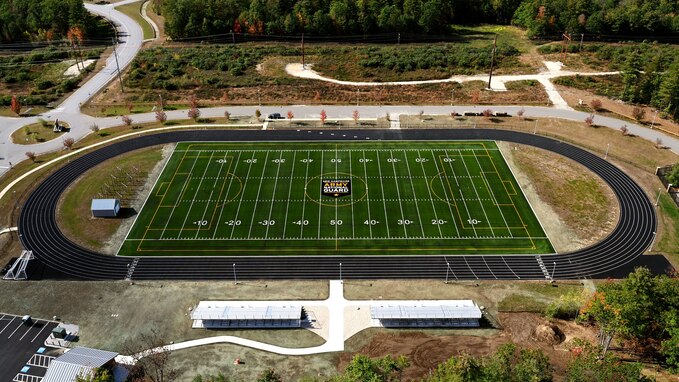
<point>399,38</point>
<point>582,37</point>
<point>302,48</point>
<point>492,61</point>
<point>233,38</point>
<point>115,53</point>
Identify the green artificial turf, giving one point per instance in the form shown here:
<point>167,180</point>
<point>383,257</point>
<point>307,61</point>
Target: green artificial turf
<point>407,198</point>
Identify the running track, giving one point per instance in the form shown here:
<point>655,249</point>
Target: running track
<point>631,237</point>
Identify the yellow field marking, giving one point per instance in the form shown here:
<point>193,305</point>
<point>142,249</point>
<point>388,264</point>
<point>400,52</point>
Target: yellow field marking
<point>162,187</point>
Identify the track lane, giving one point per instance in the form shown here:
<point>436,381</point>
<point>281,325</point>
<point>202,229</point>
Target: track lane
<point>630,238</point>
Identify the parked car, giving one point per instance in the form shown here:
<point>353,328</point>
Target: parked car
<point>275,116</point>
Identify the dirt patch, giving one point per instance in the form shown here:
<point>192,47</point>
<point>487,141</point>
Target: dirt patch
<point>426,349</point>
<point>575,207</point>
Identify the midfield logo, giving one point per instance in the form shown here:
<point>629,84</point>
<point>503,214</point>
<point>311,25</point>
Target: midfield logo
<point>336,187</point>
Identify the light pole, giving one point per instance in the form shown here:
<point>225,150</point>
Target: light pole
<point>658,199</point>
<point>340,265</point>
<point>653,122</point>
<point>553,270</point>
<point>608,146</point>
<point>358,97</point>
<point>235,281</point>
<point>447,270</point>
<point>535,129</point>
<point>452,97</point>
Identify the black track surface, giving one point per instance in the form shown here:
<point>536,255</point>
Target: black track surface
<point>633,234</point>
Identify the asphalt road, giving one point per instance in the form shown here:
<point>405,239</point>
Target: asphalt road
<point>628,241</point>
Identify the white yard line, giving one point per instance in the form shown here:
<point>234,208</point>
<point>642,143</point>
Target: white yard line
<point>242,195</point>
<point>440,174</point>
<point>398,194</point>
<point>490,225</point>
<point>181,192</point>
<point>225,200</point>
<point>431,198</point>
<point>384,203</point>
<point>306,181</point>
<point>367,196</point>
<point>492,194</point>
<point>181,229</point>
<point>261,180</point>
<point>351,200</point>
<point>320,199</point>
<point>466,208</point>
<point>417,207</point>
<point>209,201</point>
<point>273,196</point>
<point>287,205</point>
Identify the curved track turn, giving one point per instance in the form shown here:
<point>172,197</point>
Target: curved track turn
<point>633,234</point>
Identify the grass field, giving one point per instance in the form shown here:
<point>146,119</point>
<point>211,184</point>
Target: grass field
<point>405,198</point>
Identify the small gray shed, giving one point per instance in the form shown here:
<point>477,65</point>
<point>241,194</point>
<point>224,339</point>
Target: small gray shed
<point>105,208</point>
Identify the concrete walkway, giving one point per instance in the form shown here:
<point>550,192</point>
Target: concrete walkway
<point>344,319</point>
<point>498,83</point>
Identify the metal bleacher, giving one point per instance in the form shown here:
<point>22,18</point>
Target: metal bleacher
<point>18,270</point>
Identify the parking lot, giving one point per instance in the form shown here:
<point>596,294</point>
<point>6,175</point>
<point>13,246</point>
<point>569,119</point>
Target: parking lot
<point>23,355</point>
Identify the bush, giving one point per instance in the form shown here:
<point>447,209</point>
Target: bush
<point>638,113</point>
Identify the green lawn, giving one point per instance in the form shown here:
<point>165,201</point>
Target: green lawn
<point>134,11</point>
<point>406,198</point>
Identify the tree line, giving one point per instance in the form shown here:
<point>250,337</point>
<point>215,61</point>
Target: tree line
<point>193,18</point>
<point>44,20</point>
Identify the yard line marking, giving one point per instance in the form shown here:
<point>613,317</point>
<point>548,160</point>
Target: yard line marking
<point>320,199</point>
<point>336,225</point>
<point>384,204</point>
<point>398,195</point>
<point>477,195</point>
<point>261,179</point>
<point>445,192</point>
<point>233,228</point>
<point>351,198</point>
<point>209,199</point>
<point>273,196</point>
<point>186,182</point>
<point>3,329</point>
<point>450,163</point>
<point>287,206</point>
<point>367,198</point>
<point>306,176</point>
<point>194,196</point>
<point>492,195</point>
<point>417,207</point>
<point>29,329</point>
<point>225,201</point>
<point>431,198</point>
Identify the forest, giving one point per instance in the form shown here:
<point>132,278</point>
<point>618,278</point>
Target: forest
<point>194,18</point>
<point>44,20</point>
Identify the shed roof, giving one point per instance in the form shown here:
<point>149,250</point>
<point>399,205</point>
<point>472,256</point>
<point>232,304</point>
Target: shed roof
<point>450,309</point>
<point>208,311</point>
<point>79,361</point>
<point>104,204</point>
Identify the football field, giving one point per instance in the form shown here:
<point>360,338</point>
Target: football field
<point>339,198</point>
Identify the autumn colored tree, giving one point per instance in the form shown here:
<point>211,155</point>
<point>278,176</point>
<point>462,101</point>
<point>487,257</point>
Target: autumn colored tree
<point>290,115</point>
<point>31,155</point>
<point>324,116</point>
<point>453,115</point>
<point>475,96</point>
<point>258,114</point>
<point>15,105</point>
<point>589,121</point>
<point>161,116</point>
<point>638,113</point>
<point>595,104</point>
<point>76,36</point>
<point>487,113</point>
<point>227,115</point>
<point>624,130</point>
<point>68,143</point>
<point>126,120</point>
<point>356,116</point>
<point>194,112</point>
<point>520,113</point>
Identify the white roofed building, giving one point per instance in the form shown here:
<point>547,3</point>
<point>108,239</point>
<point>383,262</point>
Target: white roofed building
<point>79,361</point>
<point>236,315</point>
<point>447,313</point>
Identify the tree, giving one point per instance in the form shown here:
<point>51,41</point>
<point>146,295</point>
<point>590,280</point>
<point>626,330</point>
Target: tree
<point>194,111</point>
<point>152,358</point>
<point>590,363</point>
<point>453,115</point>
<point>520,113</point>
<point>659,143</point>
<point>589,121</point>
<point>31,155</point>
<point>227,115</point>
<point>269,375</point>
<point>126,120</point>
<point>161,116</point>
<point>638,113</point>
<point>68,143</point>
<point>100,375</point>
<point>624,130</point>
<point>258,114</point>
<point>94,128</point>
<point>15,105</point>
<point>487,113</point>
<point>364,369</point>
<point>356,116</point>
<point>673,176</point>
<point>290,115</point>
<point>595,104</point>
<point>475,96</point>
<point>324,116</point>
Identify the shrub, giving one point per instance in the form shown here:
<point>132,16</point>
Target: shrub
<point>94,128</point>
<point>126,120</point>
<point>589,121</point>
<point>31,155</point>
<point>595,104</point>
<point>227,115</point>
<point>68,142</point>
<point>520,113</point>
<point>638,113</point>
<point>624,130</point>
<point>161,116</point>
<point>487,113</point>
